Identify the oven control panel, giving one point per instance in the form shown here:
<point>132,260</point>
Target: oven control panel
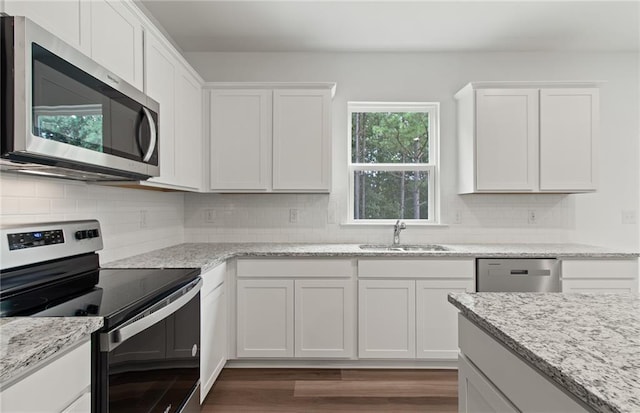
<point>27,244</point>
<point>35,239</point>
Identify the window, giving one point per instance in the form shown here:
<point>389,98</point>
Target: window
<point>393,161</point>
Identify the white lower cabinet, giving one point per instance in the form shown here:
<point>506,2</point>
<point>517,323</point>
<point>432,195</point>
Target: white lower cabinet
<point>406,319</point>
<point>265,318</point>
<point>323,318</point>
<point>403,310</point>
<point>213,328</point>
<point>600,275</point>
<point>436,318</point>
<point>386,319</point>
<point>63,385</point>
<point>316,315</point>
<point>477,394</point>
<point>493,379</point>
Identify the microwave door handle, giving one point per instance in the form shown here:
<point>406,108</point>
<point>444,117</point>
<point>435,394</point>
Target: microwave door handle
<point>152,131</point>
<point>112,339</point>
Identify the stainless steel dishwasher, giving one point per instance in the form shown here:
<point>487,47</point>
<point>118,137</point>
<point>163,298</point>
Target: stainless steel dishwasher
<point>518,275</point>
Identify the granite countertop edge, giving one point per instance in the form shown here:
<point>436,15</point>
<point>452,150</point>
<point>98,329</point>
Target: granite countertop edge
<point>561,379</point>
<point>30,343</point>
<point>208,255</point>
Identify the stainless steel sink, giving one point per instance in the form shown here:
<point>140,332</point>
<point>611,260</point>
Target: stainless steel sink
<point>406,248</point>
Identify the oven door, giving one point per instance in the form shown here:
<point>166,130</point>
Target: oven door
<point>152,362</point>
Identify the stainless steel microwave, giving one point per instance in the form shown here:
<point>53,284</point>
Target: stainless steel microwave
<point>62,114</point>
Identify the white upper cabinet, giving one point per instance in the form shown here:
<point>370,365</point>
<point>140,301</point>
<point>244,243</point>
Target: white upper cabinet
<point>524,137</point>
<point>569,121</point>
<point>301,140</point>
<point>188,133</point>
<point>69,20</point>
<point>240,139</point>
<point>180,131</point>
<point>506,139</point>
<point>108,31</point>
<point>270,139</point>
<point>160,86</point>
<point>116,40</point>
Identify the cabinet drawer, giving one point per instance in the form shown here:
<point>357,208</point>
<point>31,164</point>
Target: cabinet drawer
<point>599,286</point>
<point>55,385</point>
<point>600,268</point>
<point>424,268</point>
<point>308,267</point>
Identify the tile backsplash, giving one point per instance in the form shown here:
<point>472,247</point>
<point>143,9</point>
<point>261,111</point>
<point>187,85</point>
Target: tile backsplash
<point>132,221</point>
<point>481,218</point>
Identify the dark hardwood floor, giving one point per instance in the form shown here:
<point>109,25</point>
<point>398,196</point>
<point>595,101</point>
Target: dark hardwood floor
<point>333,390</point>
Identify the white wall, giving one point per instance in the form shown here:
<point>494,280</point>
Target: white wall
<point>591,218</point>
<point>27,200</point>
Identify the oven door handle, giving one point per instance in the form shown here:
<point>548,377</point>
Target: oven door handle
<point>169,305</point>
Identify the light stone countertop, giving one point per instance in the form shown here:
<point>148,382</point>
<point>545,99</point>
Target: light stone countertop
<point>208,255</point>
<point>588,344</point>
<point>27,342</point>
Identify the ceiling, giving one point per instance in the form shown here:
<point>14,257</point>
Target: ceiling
<point>407,26</point>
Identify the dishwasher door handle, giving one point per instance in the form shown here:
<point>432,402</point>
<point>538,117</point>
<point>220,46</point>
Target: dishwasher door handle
<point>534,272</point>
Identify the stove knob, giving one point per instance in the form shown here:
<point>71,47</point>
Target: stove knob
<point>81,235</point>
<point>81,313</point>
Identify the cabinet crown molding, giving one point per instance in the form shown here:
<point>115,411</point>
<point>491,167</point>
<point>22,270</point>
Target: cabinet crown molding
<point>272,85</point>
<point>534,84</point>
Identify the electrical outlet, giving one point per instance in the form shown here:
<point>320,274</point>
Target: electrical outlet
<point>294,215</point>
<point>210,216</point>
<point>457,217</point>
<point>143,218</point>
<point>532,216</point>
<point>629,217</point>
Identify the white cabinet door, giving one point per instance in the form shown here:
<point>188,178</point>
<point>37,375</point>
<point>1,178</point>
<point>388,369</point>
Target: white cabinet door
<point>81,405</point>
<point>67,19</point>
<point>568,139</point>
<point>161,86</point>
<point>240,139</point>
<point>188,132</point>
<point>324,318</point>
<point>116,40</point>
<point>386,319</point>
<point>301,140</point>
<point>53,387</point>
<point>213,340</point>
<point>476,394</point>
<point>437,319</point>
<point>506,139</point>
<point>265,318</point>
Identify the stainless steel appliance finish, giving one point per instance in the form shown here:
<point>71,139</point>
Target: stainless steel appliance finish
<point>518,275</point>
<point>146,358</point>
<point>45,80</point>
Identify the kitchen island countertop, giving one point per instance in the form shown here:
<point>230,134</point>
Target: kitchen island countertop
<point>588,344</point>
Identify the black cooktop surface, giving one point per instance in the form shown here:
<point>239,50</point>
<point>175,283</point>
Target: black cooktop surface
<point>118,295</point>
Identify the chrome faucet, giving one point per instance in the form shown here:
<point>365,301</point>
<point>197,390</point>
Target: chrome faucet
<point>399,226</point>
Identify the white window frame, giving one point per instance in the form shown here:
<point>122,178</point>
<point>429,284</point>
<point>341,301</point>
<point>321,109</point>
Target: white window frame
<point>433,109</point>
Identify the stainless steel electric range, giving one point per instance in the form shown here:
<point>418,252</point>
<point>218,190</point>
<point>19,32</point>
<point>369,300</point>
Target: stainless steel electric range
<point>146,358</point>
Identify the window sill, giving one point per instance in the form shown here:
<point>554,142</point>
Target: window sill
<point>391,223</point>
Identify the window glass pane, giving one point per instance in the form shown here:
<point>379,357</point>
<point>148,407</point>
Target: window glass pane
<point>390,137</point>
<point>391,195</point>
